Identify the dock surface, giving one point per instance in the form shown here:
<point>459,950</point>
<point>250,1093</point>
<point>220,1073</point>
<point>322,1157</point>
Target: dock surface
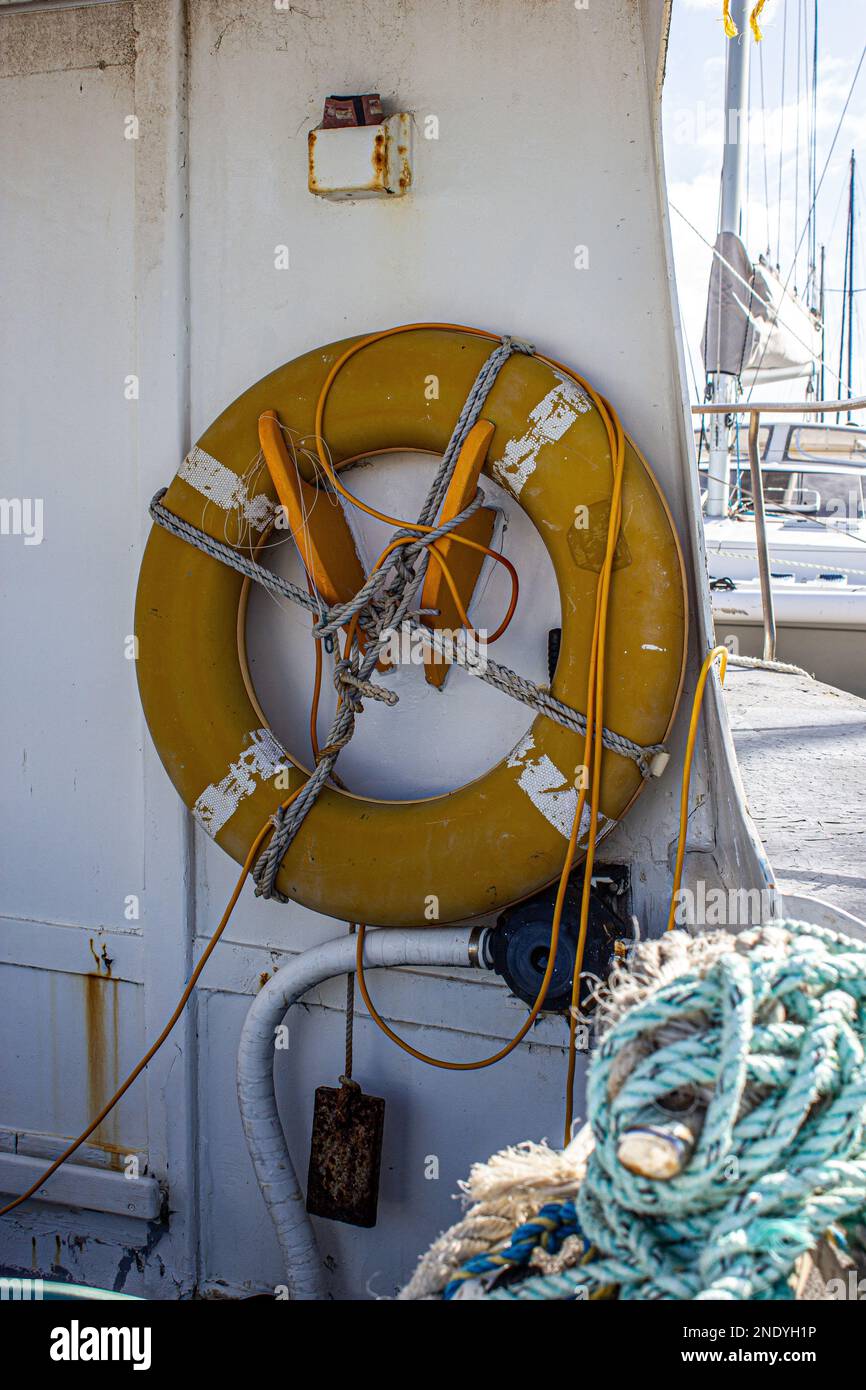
<point>801,747</point>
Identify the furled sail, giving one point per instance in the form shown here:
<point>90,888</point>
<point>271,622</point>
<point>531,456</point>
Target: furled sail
<point>755,329</point>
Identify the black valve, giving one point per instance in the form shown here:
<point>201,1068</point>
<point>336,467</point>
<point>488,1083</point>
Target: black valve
<point>519,945</point>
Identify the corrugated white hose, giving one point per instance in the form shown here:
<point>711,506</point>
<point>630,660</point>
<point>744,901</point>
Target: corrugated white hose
<point>266,1141</point>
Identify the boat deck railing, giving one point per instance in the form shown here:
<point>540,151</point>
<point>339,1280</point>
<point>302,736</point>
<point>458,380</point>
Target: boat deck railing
<point>753,410</point>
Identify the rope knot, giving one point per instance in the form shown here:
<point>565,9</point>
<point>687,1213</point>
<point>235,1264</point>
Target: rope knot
<point>351,686</point>
<point>518,345</point>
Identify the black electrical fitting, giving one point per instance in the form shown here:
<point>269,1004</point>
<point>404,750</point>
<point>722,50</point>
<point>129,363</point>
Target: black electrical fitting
<point>519,946</point>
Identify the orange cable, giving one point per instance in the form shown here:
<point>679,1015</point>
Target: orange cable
<point>181,1005</point>
<point>438,1061</point>
<point>615,438</point>
<point>595,721</point>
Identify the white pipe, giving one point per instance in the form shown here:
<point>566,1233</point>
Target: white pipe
<point>718,464</point>
<point>256,1094</point>
<point>791,407</point>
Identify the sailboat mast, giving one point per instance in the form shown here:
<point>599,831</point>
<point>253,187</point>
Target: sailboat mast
<point>723,387</point>
<point>851,224</point>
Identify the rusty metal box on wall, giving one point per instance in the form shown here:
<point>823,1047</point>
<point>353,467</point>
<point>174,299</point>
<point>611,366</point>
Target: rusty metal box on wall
<point>367,161</point>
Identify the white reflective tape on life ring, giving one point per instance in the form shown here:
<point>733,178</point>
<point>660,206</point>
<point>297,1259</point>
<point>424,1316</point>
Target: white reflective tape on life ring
<point>258,763</point>
<point>552,793</point>
<point>224,488</point>
<point>548,422</point>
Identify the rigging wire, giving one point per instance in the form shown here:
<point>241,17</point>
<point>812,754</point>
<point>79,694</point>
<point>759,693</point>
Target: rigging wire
<point>764,147</point>
<point>772,315</point>
<point>853,289</point>
<point>813,154</point>
<point>799,29</point>
<point>818,188</point>
<point>795,514</point>
<point>745,218</point>
<point>847,274</point>
<point>781,134</point>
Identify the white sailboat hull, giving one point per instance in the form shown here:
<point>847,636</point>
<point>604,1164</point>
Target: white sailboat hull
<point>820,621</point>
<point>820,629</point>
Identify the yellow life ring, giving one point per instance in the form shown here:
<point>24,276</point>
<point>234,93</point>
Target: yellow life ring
<point>502,836</point>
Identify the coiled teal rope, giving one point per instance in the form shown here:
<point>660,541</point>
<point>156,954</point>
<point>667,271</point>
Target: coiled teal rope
<point>770,1039</point>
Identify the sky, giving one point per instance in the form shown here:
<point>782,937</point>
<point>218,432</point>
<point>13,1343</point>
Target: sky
<point>692,123</point>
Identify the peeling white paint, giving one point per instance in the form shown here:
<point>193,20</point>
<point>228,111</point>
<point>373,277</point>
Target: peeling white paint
<point>549,421</point>
<point>256,764</point>
<point>517,755</point>
<point>551,792</point>
<point>223,487</point>
<point>651,647</point>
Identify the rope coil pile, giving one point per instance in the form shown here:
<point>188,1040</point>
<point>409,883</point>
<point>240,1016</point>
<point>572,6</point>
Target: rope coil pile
<point>758,1041</point>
